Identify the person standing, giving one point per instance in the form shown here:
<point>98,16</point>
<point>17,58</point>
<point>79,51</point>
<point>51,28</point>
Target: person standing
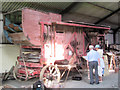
<point>93,61</point>
<point>102,65</point>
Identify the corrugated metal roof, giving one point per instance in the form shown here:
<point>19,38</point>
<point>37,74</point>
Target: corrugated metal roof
<point>88,9</point>
<point>45,6</point>
<point>90,12</point>
<point>80,17</point>
<point>114,19</point>
<point>109,5</point>
<point>57,5</point>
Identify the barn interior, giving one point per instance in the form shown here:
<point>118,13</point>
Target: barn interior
<point>37,36</point>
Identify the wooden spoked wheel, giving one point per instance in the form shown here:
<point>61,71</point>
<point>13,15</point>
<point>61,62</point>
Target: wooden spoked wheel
<point>20,76</point>
<point>50,75</point>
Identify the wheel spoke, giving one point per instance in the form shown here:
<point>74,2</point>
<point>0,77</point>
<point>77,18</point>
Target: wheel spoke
<point>51,70</point>
<point>54,72</point>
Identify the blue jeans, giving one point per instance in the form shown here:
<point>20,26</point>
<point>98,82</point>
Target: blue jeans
<point>93,65</point>
<point>103,71</point>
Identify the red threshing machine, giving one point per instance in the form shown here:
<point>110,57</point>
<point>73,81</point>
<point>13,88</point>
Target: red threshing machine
<point>49,45</point>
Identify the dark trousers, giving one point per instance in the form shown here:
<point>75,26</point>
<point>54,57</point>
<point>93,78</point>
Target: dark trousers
<point>93,65</point>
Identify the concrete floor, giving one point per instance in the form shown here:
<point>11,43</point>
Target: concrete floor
<point>110,81</point>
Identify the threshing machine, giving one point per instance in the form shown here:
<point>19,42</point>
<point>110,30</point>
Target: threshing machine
<point>48,45</point>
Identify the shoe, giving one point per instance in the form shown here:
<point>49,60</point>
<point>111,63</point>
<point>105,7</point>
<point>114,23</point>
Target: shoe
<point>91,83</point>
<point>97,83</point>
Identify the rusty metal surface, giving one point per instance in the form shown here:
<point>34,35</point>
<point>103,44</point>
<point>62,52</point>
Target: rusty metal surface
<point>30,23</point>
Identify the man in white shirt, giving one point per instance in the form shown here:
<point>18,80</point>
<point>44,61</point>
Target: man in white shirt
<point>93,60</point>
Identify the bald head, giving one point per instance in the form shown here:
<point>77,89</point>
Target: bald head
<point>91,47</point>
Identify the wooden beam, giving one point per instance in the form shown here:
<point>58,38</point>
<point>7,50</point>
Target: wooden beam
<point>114,34</point>
<point>114,37</point>
<point>100,6</point>
<point>66,10</point>
<point>117,29</point>
<point>107,16</point>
